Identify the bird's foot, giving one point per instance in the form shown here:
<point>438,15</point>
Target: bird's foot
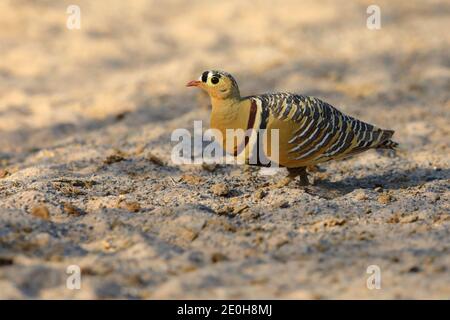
<point>283,182</point>
<point>301,173</point>
<point>304,181</point>
<point>293,174</point>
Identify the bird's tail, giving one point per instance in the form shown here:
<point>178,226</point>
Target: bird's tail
<point>386,142</point>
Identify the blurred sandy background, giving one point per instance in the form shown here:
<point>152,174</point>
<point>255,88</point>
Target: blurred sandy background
<point>85,172</point>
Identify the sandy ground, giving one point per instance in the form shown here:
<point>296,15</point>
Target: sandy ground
<point>86,177</point>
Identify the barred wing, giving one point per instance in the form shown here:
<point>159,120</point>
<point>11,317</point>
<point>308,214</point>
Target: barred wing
<point>322,132</point>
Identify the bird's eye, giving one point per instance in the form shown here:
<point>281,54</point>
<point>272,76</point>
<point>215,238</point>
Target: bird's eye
<point>214,80</point>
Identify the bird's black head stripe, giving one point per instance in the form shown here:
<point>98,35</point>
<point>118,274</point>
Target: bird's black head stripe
<point>205,76</point>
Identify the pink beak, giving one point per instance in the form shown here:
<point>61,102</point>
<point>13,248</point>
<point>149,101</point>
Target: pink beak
<point>193,83</point>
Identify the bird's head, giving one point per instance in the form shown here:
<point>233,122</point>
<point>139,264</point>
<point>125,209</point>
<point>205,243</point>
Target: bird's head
<point>218,84</point>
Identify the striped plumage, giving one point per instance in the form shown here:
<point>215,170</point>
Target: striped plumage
<point>321,132</point>
<point>310,131</point>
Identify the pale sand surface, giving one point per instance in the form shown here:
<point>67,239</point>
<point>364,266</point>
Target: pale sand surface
<point>143,229</point>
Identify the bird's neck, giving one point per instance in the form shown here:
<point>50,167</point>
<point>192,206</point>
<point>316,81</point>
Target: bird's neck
<point>229,113</point>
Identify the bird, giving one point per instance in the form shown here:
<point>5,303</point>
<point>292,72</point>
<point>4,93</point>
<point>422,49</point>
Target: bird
<point>311,131</point>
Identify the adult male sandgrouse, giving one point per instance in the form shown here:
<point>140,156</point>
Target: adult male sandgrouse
<point>310,130</point>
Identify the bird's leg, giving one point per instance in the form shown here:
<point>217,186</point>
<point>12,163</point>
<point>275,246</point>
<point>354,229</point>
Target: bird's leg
<point>301,172</point>
<point>294,173</point>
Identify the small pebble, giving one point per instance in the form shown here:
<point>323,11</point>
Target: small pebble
<point>189,227</point>
<point>155,159</point>
<point>131,206</point>
<point>218,257</point>
<point>239,208</point>
<point>259,194</point>
<point>277,241</point>
<point>222,210</point>
<point>70,209</point>
<point>6,261</point>
<point>409,219</point>
<point>113,159</point>
<point>281,204</point>
<point>220,189</point>
<point>190,179</point>
<point>385,198</point>
<point>41,212</point>
<point>250,214</point>
<point>360,196</point>
<point>414,269</point>
<point>3,173</point>
<point>394,218</point>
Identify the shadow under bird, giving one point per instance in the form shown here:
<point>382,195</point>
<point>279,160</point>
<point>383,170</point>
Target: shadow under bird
<point>311,131</point>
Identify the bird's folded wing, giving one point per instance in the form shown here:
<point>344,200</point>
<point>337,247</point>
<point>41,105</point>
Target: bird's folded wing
<point>323,132</point>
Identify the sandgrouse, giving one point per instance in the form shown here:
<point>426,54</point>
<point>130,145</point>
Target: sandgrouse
<point>311,131</point>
